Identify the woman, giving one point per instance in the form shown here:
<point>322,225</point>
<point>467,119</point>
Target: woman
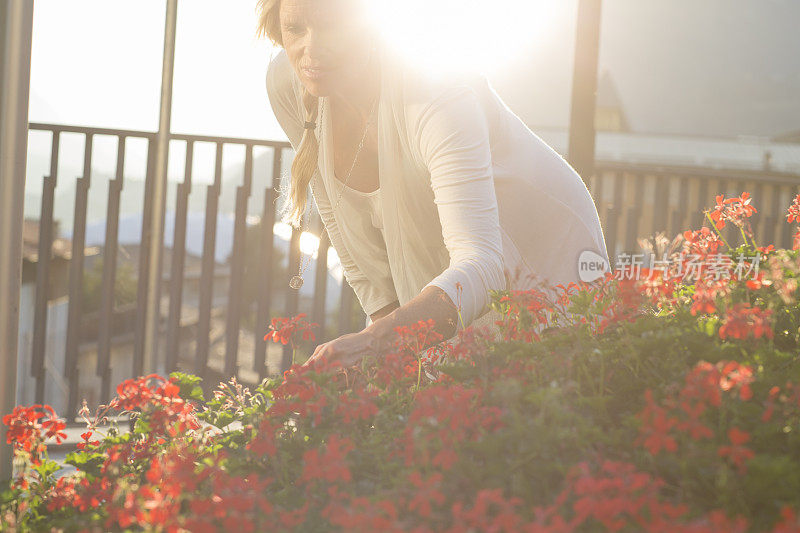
<point>433,192</point>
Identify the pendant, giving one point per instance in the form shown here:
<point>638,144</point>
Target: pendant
<point>296,282</point>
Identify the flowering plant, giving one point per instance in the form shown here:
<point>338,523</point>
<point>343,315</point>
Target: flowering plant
<point>652,399</point>
<point>290,331</point>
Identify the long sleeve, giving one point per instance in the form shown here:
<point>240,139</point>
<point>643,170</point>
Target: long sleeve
<point>285,107</point>
<point>453,137</point>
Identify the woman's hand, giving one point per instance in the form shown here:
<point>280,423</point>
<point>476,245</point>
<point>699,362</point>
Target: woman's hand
<point>348,349</point>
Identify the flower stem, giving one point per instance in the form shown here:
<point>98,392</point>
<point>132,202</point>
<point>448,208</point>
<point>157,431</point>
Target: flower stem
<point>714,226</point>
<point>744,236</point>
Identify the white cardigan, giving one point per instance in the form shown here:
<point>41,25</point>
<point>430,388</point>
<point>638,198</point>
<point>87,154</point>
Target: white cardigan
<point>469,194</point>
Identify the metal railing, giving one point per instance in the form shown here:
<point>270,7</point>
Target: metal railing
<point>633,200</point>
<point>639,200</point>
<point>172,331</point>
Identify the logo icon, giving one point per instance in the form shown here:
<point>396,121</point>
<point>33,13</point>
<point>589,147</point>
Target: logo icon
<point>592,266</point>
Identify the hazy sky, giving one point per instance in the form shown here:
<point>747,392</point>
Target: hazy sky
<point>725,67</point>
<point>98,63</point>
<point>715,67</point>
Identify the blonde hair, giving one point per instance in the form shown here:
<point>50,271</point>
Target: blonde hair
<point>305,160</point>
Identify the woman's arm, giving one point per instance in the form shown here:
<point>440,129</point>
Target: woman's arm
<point>453,141</point>
<point>431,303</point>
<point>384,311</point>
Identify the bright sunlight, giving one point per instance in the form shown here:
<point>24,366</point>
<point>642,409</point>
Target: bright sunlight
<point>458,35</point>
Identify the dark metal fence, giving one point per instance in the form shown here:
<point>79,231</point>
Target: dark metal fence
<point>171,329</point>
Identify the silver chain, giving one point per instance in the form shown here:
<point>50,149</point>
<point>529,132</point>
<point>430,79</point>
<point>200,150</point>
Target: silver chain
<point>297,281</point>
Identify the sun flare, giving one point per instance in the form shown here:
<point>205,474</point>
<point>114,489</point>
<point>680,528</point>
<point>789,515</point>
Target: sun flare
<point>458,35</point>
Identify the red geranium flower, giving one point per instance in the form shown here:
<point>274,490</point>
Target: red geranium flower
<point>733,210</point>
<point>285,329</point>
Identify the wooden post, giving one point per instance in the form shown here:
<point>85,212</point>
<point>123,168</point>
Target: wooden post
<point>584,89</point>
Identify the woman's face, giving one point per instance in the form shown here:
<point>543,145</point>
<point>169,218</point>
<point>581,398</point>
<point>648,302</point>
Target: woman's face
<point>327,41</point>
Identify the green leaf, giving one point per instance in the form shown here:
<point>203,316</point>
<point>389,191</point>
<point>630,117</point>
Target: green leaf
<point>189,384</point>
<point>47,468</point>
<point>86,462</point>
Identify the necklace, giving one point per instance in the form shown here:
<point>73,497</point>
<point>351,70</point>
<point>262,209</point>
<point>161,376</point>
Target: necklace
<point>297,281</point>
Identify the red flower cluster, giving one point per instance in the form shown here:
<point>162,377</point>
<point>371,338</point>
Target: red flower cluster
<point>737,452</point>
<point>443,418</point>
<point>416,337</point>
<point>613,495</point>
<point>681,415</point>
<point>787,399</point>
<point>742,321</point>
<point>169,414</point>
<point>733,210</point>
<point>701,242</point>
<point>287,329</point>
<point>358,404</point>
<point>793,215</point>
<point>527,312</point>
<point>30,427</point>
<point>328,464</point>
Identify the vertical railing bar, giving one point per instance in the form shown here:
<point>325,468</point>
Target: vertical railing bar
<point>237,267</point>
<point>787,231</point>
<point>320,281</point>
<point>758,218</point>
<point>109,274</point>
<point>661,200</point>
<point>683,199</point>
<point>176,278</point>
<point>346,308</point>
<point>292,295</point>
<point>774,220</point>
<point>698,217</point>
<point>267,253</point>
<point>634,215</point>
<point>612,218</point>
<point>74,313</point>
<point>207,270</point>
<point>43,268</point>
<point>144,259</point>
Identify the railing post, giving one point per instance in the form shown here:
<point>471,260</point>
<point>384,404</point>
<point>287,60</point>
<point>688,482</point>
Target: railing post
<point>159,192</point>
<point>16,23</point>
<point>584,89</point>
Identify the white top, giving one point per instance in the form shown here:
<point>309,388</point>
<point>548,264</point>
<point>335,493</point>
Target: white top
<point>360,213</point>
<point>469,194</point>
<point>358,201</point>
<point>365,204</point>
